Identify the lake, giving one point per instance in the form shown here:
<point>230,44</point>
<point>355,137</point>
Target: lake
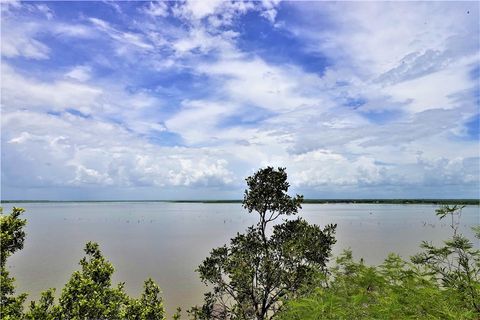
<point>167,241</point>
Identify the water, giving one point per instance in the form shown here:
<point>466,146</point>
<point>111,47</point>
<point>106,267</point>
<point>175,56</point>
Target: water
<point>167,241</point>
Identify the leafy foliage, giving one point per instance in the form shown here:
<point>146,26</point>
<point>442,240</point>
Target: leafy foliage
<point>441,283</point>
<point>394,290</point>
<point>267,195</point>
<point>45,308</point>
<point>456,264</point>
<point>12,239</point>
<point>89,294</point>
<point>149,306</point>
<point>252,276</point>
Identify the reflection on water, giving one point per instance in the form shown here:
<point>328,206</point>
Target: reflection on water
<point>167,241</point>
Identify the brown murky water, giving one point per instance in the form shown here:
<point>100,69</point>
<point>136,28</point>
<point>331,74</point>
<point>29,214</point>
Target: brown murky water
<point>167,241</point>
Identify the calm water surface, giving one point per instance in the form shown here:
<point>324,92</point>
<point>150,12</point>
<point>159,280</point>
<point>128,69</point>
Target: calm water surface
<point>167,241</point>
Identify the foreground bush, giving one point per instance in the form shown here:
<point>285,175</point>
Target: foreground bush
<point>394,290</point>
<point>439,283</point>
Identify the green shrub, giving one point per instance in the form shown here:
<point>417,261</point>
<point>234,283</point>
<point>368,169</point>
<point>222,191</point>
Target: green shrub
<point>439,283</point>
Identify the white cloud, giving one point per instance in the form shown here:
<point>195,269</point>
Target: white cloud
<point>72,30</point>
<point>213,13</point>
<point>126,38</point>
<point>198,39</point>
<point>21,92</point>
<point>114,5</point>
<point>43,8</point>
<point>254,82</point>
<point>200,9</point>
<point>432,91</point>
<point>103,100</point>
<point>268,11</point>
<point>397,31</point>
<point>20,41</point>
<point>322,167</point>
<point>80,73</point>
<point>7,5</point>
<point>156,9</point>
<point>403,42</point>
<point>71,145</point>
<point>197,120</point>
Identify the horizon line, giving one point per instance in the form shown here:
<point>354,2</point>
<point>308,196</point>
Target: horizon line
<point>306,200</point>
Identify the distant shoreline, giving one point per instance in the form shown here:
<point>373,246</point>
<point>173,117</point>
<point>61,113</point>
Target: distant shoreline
<point>307,201</point>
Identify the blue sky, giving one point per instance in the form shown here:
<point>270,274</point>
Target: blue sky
<point>183,100</point>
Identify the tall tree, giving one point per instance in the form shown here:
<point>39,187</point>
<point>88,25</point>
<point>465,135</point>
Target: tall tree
<point>253,276</point>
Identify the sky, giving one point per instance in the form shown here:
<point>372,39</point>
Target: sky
<point>184,100</point>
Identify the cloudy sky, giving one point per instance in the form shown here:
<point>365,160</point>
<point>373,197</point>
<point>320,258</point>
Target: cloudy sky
<point>183,100</point>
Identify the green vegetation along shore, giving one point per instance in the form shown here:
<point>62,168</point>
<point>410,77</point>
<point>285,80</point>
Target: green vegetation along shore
<point>312,201</point>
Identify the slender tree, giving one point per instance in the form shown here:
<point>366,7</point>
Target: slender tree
<point>253,276</point>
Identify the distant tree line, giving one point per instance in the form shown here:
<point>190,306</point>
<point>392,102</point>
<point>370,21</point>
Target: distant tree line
<point>271,273</point>
<point>321,201</point>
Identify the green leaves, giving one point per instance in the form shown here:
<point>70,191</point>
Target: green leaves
<point>456,264</point>
<point>267,192</point>
<point>88,293</point>
<point>393,290</point>
<point>12,238</point>
<point>45,308</point>
<point>149,306</point>
<point>446,210</point>
<point>11,230</point>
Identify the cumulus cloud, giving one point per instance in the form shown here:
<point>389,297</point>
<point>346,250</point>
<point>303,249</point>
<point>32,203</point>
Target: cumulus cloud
<point>65,151</point>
